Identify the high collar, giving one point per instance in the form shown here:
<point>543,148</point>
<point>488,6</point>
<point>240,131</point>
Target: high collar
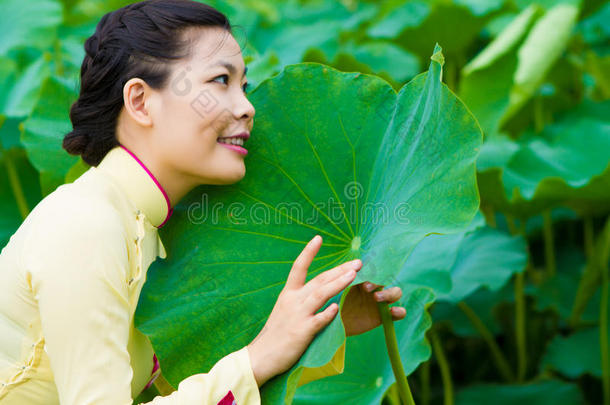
<point>138,183</point>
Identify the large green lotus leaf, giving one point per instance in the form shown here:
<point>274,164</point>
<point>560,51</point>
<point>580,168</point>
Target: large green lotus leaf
<point>549,392</point>
<point>45,129</point>
<point>576,354</point>
<point>508,72</point>
<point>31,23</point>
<point>554,167</point>
<point>337,154</point>
<point>366,378</point>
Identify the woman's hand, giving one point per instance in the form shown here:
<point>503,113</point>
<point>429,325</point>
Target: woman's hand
<point>293,322</point>
<point>360,312</point>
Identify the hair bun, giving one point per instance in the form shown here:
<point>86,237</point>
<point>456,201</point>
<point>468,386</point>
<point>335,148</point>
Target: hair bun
<point>92,45</point>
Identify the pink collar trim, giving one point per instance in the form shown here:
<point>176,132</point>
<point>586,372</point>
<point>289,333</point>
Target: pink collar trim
<point>170,209</point>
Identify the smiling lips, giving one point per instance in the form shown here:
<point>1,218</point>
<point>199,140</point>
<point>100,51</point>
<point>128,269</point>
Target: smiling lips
<point>235,142</point>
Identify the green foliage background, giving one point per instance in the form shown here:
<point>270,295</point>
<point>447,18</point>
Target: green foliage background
<point>515,308</point>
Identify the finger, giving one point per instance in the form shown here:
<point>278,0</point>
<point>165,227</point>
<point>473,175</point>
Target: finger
<point>398,312</point>
<point>322,319</point>
<point>330,275</point>
<point>389,295</point>
<point>321,295</point>
<point>298,272</point>
<point>368,286</point>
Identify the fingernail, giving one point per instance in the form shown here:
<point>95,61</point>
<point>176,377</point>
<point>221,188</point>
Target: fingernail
<point>356,264</point>
<point>368,287</point>
<point>379,296</point>
<point>349,275</point>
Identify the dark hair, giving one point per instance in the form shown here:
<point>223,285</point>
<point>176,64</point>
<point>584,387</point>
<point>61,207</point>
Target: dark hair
<point>137,40</point>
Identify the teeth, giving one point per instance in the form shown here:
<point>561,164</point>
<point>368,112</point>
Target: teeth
<point>232,141</point>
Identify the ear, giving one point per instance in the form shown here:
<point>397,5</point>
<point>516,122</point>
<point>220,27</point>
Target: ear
<point>136,97</point>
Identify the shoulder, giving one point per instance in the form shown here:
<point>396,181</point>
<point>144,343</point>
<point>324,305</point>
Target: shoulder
<point>75,212</point>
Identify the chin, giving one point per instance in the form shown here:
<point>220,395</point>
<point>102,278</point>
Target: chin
<point>235,177</point>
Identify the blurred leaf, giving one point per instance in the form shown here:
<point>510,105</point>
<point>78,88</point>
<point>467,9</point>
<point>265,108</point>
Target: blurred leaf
<point>378,57</point>
<point>558,292</point>
<point>534,64</point>
<point>76,171</point>
<point>409,15</point>
<point>31,23</point>
<point>576,354</point>
<point>550,392</point>
<point>22,95</point>
<point>45,130</point>
<point>484,302</point>
<point>507,73</point>
<point>486,258</point>
<point>488,78</point>
<point>555,167</point>
<point>481,7</point>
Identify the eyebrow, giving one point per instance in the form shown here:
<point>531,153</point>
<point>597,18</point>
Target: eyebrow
<point>230,67</point>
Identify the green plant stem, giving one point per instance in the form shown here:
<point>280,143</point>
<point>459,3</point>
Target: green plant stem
<point>600,76</point>
<point>510,222</point>
<point>59,66</point>
<point>392,346</point>
<point>497,355</point>
<point>588,236</point>
<point>603,337</point>
<point>520,326</point>
<point>549,248</point>
<point>490,215</point>
<point>444,368</point>
<point>392,395</point>
<point>603,314</point>
<point>591,278</point>
<point>425,383</point>
<point>13,178</point>
<point>538,114</point>
<point>520,315</point>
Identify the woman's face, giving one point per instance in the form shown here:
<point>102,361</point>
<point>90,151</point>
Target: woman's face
<point>204,100</point>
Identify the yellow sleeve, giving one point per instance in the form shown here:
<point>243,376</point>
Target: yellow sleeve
<point>334,367</point>
<point>77,266</point>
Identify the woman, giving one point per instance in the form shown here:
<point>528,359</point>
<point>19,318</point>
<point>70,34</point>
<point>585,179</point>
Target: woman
<point>162,83</point>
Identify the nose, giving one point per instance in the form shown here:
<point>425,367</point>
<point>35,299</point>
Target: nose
<point>244,108</point>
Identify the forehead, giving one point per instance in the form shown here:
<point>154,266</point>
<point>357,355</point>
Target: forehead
<point>211,44</point>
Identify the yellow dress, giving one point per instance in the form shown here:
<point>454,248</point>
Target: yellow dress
<point>70,279</point>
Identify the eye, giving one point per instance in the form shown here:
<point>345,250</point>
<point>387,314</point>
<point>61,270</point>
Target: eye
<point>246,86</point>
<point>225,76</point>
